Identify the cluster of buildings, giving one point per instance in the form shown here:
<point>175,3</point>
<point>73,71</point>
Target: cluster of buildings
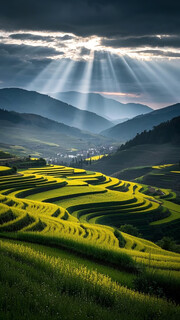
<point>75,156</point>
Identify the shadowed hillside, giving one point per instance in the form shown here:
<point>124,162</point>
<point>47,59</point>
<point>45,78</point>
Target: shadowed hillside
<point>165,132</point>
<point>43,135</point>
<point>160,145</point>
<point>141,155</point>
<point>128,130</point>
<point>14,99</point>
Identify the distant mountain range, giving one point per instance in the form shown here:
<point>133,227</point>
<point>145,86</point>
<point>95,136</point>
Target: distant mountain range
<point>15,99</point>
<point>42,135</point>
<point>128,129</point>
<point>105,107</point>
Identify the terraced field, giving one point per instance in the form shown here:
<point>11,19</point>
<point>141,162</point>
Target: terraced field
<point>5,170</point>
<point>96,158</point>
<point>81,212</point>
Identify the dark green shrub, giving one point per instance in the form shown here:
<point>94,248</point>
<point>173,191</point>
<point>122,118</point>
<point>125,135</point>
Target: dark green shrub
<point>130,229</point>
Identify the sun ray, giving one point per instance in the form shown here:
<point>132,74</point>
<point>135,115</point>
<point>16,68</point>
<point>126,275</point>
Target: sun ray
<point>84,84</point>
<point>116,83</point>
<point>153,72</point>
<point>43,77</point>
<point>166,78</point>
<point>57,81</point>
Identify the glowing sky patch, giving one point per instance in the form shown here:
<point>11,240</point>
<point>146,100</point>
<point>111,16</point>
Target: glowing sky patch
<point>70,45</point>
<point>119,94</point>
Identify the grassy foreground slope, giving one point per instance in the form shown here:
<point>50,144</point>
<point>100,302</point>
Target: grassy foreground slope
<point>61,245</point>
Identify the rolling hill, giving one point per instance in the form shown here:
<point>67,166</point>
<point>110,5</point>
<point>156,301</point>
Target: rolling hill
<point>128,130</point>
<point>105,107</point>
<point>160,145</point>
<point>43,135</point>
<point>168,131</point>
<point>20,100</point>
<point>140,155</point>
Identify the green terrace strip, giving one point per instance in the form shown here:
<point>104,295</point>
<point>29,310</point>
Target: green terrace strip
<point>6,170</point>
<point>62,208</point>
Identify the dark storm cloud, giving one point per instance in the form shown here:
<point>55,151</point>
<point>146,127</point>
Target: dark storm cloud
<point>36,37</point>
<point>168,54</point>
<point>66,37</point>
<point>20,64</point>
<point>127,23</point>
<point>29,36</point>
<point>92,17</point>
<point>85,51</point>
<point>26,51</point>
<point>150,41</point>
<point>18,72</point>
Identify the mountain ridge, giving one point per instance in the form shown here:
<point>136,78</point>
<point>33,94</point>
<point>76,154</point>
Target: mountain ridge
<point>157,146</point>
<point>21,100</point>
<point>128,129</point>
<point>168,131</point>
<point>106,107</point>
<point>43,135</point>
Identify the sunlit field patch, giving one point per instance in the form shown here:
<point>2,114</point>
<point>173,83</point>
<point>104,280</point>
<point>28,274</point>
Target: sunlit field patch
<point>95,158</point>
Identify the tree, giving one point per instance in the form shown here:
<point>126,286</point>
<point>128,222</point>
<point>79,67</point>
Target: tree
<point>130,229</point>
<point>167,243</point>
<point>14,169</point>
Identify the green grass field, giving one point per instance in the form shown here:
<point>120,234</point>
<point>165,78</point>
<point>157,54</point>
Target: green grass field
<point>63,255</point>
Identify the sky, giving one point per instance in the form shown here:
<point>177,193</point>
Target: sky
<point>126,50</point>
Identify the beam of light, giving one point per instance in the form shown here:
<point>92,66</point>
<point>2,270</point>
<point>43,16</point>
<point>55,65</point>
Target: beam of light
<point>143,79</point>
<point>58,80</point>
<point>85,82</point>
<point>106,80</point>
<point>134,79</point>
<point>30,69</point>
<point>84,86</point>
<point>44,76</point>
<point>54,77</point>
<point>167,79</point>
<point>122,91</point>
<point>110,61</point>
<point>151,80</point>
<point>133,74</point>
<point>164,86</point>
<point>110,81</point>
<point>107,83</point>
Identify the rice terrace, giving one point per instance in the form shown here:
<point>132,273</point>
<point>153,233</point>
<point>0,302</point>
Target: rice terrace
<point>89,160</point>
<point>60,237</point>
